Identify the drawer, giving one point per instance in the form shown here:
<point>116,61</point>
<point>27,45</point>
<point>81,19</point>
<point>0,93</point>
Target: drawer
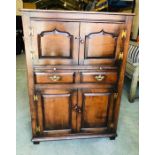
<point>109,77</point>
<point>55,77</point>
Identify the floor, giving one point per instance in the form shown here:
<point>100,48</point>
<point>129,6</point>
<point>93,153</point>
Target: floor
<point>125,144</point>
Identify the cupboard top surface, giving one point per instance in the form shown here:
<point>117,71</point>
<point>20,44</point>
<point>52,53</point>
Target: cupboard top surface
<point>76,12</point>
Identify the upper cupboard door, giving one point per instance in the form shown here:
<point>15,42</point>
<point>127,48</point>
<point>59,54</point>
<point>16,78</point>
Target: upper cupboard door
<point>53,42</point>
<point>100,43</point>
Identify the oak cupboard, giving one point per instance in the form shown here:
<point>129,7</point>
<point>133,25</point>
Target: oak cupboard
<point>75,63</point>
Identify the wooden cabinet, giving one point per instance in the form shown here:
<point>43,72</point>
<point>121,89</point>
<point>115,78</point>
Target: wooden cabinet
<point>76,63</point>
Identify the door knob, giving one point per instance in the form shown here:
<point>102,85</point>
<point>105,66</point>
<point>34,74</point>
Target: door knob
<point>77,37</point>
<point>81,41</point>
<point>76,108</point>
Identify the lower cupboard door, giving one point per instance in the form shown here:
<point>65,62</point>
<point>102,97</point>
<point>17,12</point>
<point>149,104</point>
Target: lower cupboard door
<point>96,111</point>
<point>54,112</point>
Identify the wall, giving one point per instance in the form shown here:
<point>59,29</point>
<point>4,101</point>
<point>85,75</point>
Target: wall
<point>135,26</point>
<point>19,5</point>
<point>29,5</point>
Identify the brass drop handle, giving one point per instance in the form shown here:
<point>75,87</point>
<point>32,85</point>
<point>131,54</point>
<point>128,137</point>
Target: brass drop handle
<point>55,78</point>
<point>99,77</point>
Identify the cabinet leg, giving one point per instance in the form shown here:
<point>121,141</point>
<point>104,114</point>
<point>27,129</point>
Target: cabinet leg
<point>36,142</point>
<point>113,137</point>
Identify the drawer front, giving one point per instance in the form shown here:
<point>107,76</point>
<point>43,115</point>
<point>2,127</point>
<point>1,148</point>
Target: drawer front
<point>99,77</point>
<point>48,78</point>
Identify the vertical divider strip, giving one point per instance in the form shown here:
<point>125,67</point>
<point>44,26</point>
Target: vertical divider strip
<point>79,43</point>
<point>79,114</point>
<point>74,115</point>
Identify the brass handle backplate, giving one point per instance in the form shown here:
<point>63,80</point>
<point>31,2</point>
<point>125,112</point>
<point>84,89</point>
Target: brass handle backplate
<point>55,78</point>
<point>99,77</point>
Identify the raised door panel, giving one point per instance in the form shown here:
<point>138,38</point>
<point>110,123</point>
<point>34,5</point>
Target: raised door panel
<point>52,106</point>
<point>95,110</point>
<point>53,42</point>
<point>54,109</point>
<point>100,43</point>
<point>96,106</point>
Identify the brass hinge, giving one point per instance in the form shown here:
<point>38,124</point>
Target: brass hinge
<point>123,34</point>
<point>32,54</point>
<point>35,98</point>
<point>31,31</point>
<point>112,125</point>
<point>120,56</point>
<point>115,95</point>
<point>37,130</point>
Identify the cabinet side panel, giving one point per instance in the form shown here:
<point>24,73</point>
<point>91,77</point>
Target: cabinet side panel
<point>122,70</point>
<point>27,41</point>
